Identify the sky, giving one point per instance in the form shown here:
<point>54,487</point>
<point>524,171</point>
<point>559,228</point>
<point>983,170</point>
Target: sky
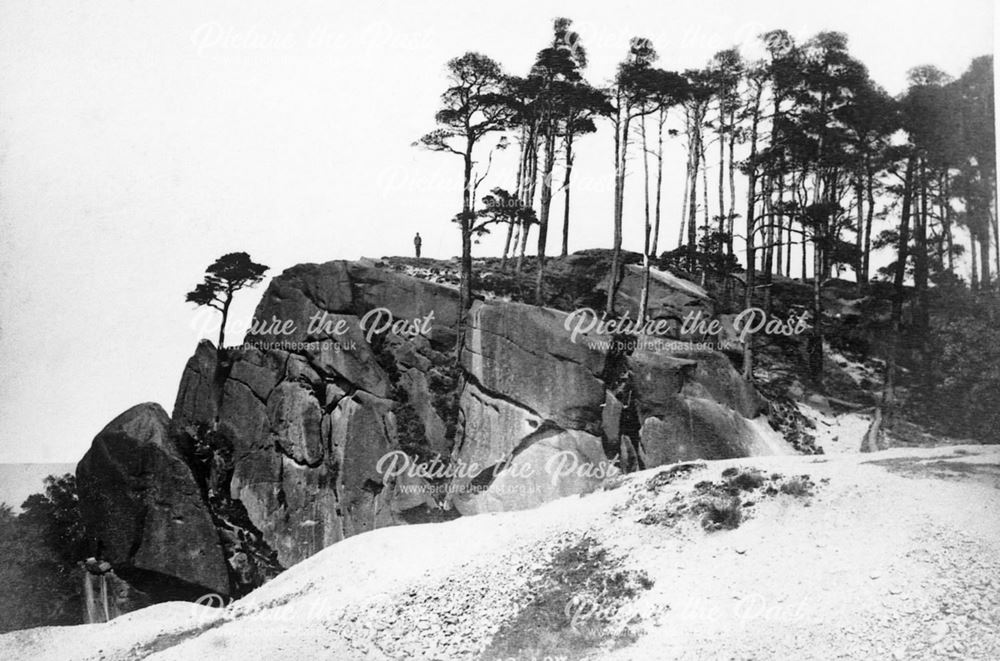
<point>140,141</point>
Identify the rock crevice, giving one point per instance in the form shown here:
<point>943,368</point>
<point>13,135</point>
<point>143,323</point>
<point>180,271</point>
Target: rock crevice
<point>272,454</point>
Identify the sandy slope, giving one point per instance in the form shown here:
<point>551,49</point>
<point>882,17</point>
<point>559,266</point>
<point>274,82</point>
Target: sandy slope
<point>899,559</point>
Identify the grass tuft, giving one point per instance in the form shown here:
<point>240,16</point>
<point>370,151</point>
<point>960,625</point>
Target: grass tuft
<point>721,513</point>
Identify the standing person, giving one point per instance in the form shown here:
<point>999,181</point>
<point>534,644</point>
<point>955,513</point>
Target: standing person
<point>416,244</point>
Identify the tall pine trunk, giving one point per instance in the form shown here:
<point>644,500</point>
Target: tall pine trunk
<point>984,256</point>
<point>519,182</point>
<point>659,181</point>
<point>750,229</point>
<point>779,228</point>
<point>621,152</point>
<point>546,204</point>
<point>722,174</point>
<point>974,260</point>
<point>815,347</point>
<point>899,293</point>
<point>768,267</point>
<point>465,286</point>
<point>867,248</point>
<point>531,180</point>
<point>566,180</point>
<point>506,245</point>
<point>859,244</point>
<point>647,226</point>
<point>731,215</point>
<point>921,276</point>
<point>222,324</point>
<point>707,224</point>
<point>945,211</point>
<point>684,200</point>
<point>694,145</point>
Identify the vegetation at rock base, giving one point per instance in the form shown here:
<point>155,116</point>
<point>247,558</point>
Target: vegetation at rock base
<point>573,603</point>
<point>672,473</point>
<point>41,549</point>
<point>250,561</point>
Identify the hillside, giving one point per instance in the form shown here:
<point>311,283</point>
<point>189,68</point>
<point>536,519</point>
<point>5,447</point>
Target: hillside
<point>887,556</point>
<point>357,408</point>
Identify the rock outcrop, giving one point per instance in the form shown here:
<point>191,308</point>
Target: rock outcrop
<point>302,413</point>
<point>277,448</point>
<point>144,511</point>
<point>531,393</point>
<point>526,354</point>
<point>693,404</point>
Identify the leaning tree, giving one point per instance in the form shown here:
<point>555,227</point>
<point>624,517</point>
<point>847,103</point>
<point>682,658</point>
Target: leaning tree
<point>229,274</point>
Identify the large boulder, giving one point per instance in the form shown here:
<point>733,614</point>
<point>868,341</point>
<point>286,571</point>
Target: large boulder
<point>688,428</point>
<point>694,372</point>
<point>549,464</point>
<point>690,403</point>
<point>143,509</point>
<point>525,354</point>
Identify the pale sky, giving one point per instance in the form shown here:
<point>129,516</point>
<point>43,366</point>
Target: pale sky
<point>140,141</point>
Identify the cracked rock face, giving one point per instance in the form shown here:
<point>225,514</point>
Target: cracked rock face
<point>296,417</point>
<point>308,426</point>
<point>304,452</point>
<point>524,354</point>
<point>277,450</point>
<point>693,404</point>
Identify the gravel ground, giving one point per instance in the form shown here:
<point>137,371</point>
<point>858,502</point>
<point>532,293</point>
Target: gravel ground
<point>895,556</point>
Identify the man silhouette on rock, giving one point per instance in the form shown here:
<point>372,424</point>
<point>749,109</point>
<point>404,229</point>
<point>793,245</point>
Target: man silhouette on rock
<point>416,244</point>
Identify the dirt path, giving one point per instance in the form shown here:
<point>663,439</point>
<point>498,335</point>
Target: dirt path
<point>878,566</point>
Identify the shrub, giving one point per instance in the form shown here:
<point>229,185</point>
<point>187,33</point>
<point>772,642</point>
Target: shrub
<point>799,487</point>
<point>721,513</point>
<point>719,505</point>
<point>744,479</point>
